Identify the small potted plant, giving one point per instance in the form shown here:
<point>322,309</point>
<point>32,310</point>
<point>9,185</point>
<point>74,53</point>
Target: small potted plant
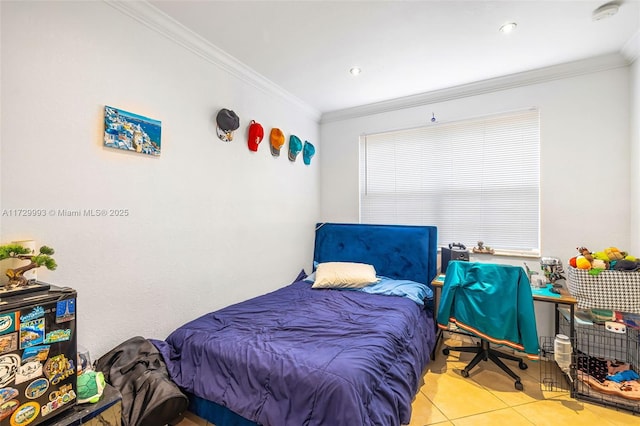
<point>16,251</point>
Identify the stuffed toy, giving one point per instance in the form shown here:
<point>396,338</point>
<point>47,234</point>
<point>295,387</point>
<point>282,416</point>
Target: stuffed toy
<point>586,253</point>
<point>626,265</point>
<point>610,258</point>
<point>601,255</point>
<point>90,386</point>
<point>582,262</point>
<point>613,253</point>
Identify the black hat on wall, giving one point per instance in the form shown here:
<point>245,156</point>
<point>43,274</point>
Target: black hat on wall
<point>227,122</point>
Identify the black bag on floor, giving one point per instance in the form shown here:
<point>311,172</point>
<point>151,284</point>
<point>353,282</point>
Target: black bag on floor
<point>149,397</point>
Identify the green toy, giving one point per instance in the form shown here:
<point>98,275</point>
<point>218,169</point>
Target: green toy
<point>90,387</point>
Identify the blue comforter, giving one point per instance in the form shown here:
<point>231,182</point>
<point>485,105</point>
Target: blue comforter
<point>302,356</point>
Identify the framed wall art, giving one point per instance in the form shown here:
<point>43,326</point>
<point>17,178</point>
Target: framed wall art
<point>131,132</point>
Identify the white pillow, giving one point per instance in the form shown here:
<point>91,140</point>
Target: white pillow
<point>344,275</point>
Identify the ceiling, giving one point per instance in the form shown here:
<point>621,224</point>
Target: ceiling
<point>403,47</point>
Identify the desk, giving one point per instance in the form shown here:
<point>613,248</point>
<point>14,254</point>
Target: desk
<point>565,298</point>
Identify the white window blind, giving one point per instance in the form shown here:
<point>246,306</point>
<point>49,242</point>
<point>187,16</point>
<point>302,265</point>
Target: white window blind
<point>476,180</point>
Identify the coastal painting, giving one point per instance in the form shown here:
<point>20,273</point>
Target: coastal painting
<point>131,132</point>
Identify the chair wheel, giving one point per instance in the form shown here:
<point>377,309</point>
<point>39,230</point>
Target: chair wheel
<point>519,385</point>
<point>445,351</point>
<point>523,366</point>
<point>464,373</point>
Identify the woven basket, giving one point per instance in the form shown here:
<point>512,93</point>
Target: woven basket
<point>615,290</point>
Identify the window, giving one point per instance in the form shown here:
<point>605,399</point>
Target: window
<point>476,180</point>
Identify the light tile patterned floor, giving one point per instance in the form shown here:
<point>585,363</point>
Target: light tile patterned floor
<point>488,397</point>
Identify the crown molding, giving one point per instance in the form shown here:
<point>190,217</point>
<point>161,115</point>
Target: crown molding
<point>147,14</point>
<point>526,78</point>
<point>631,49</point>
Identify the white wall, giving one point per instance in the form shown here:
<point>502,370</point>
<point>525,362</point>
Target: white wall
<point>584,159</point>
<point>210,223</point>
<point>635,157</point>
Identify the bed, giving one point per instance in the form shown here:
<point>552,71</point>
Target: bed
<point>306,356</point>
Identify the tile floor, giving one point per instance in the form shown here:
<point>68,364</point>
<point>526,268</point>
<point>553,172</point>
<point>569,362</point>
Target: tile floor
<point>488,397</point>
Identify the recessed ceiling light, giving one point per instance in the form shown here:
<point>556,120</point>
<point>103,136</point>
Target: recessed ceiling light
<point>508,27</point>
<point>606,10</point>
<point>355,70</point>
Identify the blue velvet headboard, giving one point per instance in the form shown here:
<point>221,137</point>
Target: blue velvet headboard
<point>395,251</point>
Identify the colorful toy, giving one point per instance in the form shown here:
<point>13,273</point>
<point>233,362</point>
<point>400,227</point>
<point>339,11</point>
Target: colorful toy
<point>601,255</point>
<point>614,254</point>
<point>90,386</point>
<point>608,259</point>
<point>586,253</point>
<point>582,262</point>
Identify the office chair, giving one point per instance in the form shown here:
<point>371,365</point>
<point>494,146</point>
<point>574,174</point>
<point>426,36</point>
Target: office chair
<point>494,303</point>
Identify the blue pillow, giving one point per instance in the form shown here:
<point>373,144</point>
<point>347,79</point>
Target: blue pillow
<point>311,278</point>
